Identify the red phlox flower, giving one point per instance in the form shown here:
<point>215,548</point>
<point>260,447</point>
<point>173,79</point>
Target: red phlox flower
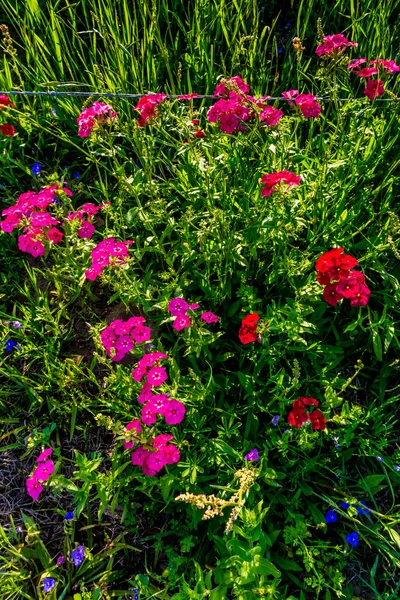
<point>361,296</point>
<point>307,401</point>
<point>331,295</point>
<point>271,115</point>
<point>5,101</point>
<point>374,88</point>
<point>137,427</point>
<point>325,261</point>
<point>7,130</point>
<point>308,105</point>
<point>171,454</point>
<point>367,72</point>
<point>199,133</point>
<point>353,64</point>
<point>297,416</point>
<point>250,320</point>
<point>148,108</point>
<point>54,235</point>
<point>389,65</point>
<point>247,335</point>
<point>271,180</point>
<point>318,421</point>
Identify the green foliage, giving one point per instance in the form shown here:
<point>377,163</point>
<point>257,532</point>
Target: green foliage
<point>202,231</point>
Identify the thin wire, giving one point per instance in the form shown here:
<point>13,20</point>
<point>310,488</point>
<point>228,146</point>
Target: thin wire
<point>173,96</point>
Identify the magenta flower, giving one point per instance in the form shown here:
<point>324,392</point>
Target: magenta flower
<point>252,455</point>
<point>156,376</point>
<point>177,306</point>
<point>209,317</point>
<point>194,306</point>
<point>158,403</point>
<point>146,394</point>
<point>138,373</point>
<point>162,440</point>
<point>367,72</point>
<point>156,460</point>
<point>87,230</point>
<point>181,322</point>
<point>149,416</point>
<point>174,412</point>
<point>148,360</point>
<point>138,456</point>
<point>124,343</point>
<point>374,88</point>
<point>171,454</point>
<point>34,488</point>
<point>141,334</point>
<point>44,455</point>
<point>54,235</point>
<point>43,470</point>
<point>334,44</point>
<point>356,63</point>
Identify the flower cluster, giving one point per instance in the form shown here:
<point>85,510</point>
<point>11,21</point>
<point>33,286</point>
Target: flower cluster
<point>232,111</point>
<point>29,213</point>
<point>6,129</point>
<point>300,415</point>
<point>148,107</point>
<point>335,272</point>
<point>248,331</point>
<point>85,216</point>
<point>120,336</point>
<point>307,103</point>
<point>179,308</point>
<point>107,253</point>
<point>334,45</point>
<point>94,116</point>
<point>374,87</point>
<point>271,180</point>
<point>42,472</point>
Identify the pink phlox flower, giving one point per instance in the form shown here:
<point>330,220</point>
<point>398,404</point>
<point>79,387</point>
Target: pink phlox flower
<point>221,90</point>
<point>141,334</point>
<point>148,107</point>
<point>389,65</point>
<point>137,427</point>
<point>156,376</point>
<point>353,64</point>
<point>334,43</point>
<point>148,414</point>
<point>123,328</point>
<point>308,106</point>
<point>181,322</point>
<point>148,360</point>
<point>290,94</point>
<point>124,343</point>
<point>10,223</point>
<point>209,317</point>
<point>228,122</point>
<point>54,235</point>
<point>138,373</point>
<point>158,403</point>
<point>32,246</point>
<point>138,456</point>
<point>34,488</point>
<point>271,115</point>
<point>367,72</point>
<point>362,296</point>
<point>171,454</point>
<point>108,336</point>
<point>95,114</point>
<point>44,455</point>
<point>93,272</point>
<point>374,89</point>
<point>118,354</point>
<point>177,306</point>
<point>90,209</point>
<point>87,230</point>
<point>155,461</point>
<point>43,219</point>
<point>194,306</point>
<point>187,96</point>
<point>174,412</point>
<point>146,393</point>
<point>147,471</point>
<point>43,470</point>
<point>162,440</point>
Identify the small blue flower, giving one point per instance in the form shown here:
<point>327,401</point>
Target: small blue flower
<point>3,185</point>
<point>362,511</point>
<point>69,516</point>
<point>19,529</point>
<point>48,584</point>
<point>280,50</point>
<point>36,168</point>
<point>17,324</point>
<point>139,164</point>
<point>78,555</point>
<point>397,468</point>
<point>352,539</point>
<point>331,517</point>
<point>275,420</point>
<point>344,505</point>
<point>10,344</point>
<point>252,455</point>
<point>53,111</point>
<point>135,593</point>
<point>379,458</point>
<point>287,25</point>
<point>76,175</point>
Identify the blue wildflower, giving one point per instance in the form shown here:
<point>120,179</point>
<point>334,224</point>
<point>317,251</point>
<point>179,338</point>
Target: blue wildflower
<point>69,516</point>
<point>397,468</point>
<point>352,539</point>
<point>76,175</point>
<point>78,555</point>
<point>344,505</point>
<point>139,164</point>
<point>19,529</point>
<point>287,25</point>
<point>135,593</point>
<point>331,517</point>
<point>48,584</point>
<point>280,50</point>
<point>379,458</point>
<point>3,185</point>
<point>362,511</point>
<point>10,344</point>
<point>252,455</point>
<point>17,324</point>
<point>275,420</point>
<point>53,111</point>
<point>36,168</point>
